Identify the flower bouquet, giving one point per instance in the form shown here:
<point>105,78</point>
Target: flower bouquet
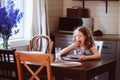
<point>9,17</point>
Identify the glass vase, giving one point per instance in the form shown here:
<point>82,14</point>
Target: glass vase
<point>5,44</point>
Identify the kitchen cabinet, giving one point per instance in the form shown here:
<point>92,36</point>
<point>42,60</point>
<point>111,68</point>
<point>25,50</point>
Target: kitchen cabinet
<point>112,49</point>
<point>62,42</point>
<point>118,62</point>
<point>109,48</point>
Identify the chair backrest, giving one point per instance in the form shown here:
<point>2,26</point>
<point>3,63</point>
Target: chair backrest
<point>43,60</point>
<point>99,45</point>
<point>8,67</point>
<point>41,43</point>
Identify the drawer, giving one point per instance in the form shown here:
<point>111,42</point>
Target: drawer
<point>109,55</point>
<point>109,47</point>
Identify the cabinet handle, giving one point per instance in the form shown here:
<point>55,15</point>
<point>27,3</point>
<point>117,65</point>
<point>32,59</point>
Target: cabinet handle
<point>105,46</point>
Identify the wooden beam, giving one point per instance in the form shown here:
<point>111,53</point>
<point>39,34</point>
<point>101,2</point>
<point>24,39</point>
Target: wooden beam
<point>83,3</point>
<point>106,3</point>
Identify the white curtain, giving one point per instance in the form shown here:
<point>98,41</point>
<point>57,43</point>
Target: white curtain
<point>40,19</point>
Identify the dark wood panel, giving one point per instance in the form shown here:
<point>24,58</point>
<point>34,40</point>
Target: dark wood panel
<point>8,67</point>
<point>77,13</point>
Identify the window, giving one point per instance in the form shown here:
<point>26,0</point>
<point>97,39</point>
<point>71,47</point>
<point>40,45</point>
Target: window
<point>18,5</point>
<point>22,38</point>
<point>29,23</point>
<point>25,25</point>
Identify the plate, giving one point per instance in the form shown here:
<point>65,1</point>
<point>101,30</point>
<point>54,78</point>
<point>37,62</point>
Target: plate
<point>72,56</point>
<point>70,59</point>
<point>66,64</point>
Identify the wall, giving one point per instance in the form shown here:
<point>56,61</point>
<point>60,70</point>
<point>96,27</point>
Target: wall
<point>55,10</point>
<point>21,48</point>
<point>108,23</point>
<point>19,45</point>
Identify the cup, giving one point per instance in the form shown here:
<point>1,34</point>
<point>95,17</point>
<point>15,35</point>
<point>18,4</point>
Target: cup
<point>57,53</point>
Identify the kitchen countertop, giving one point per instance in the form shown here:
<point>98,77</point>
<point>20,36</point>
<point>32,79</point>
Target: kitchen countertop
<point>108,37</point>
<point>104,37</point>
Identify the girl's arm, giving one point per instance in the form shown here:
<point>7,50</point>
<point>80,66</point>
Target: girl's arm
<point>68,49</point>
<point>96,55</point>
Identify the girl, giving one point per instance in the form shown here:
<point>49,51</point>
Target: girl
<point>83,43</point>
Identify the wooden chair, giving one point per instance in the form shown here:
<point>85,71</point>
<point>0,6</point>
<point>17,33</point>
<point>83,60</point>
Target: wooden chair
<point>8,67</point>
<point>43,60</point>
<point>41,43</point>
<point>99,45</point>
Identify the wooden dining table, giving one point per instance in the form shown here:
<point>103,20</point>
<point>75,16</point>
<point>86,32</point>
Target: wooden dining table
<point>87,70</point>
<point>84,71</point>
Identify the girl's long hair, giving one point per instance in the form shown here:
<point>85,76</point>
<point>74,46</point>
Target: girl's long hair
<point>89,41</point>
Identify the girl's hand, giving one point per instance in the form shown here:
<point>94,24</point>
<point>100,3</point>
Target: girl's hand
<point>82,57</point>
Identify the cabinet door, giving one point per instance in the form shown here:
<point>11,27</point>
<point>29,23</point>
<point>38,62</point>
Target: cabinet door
<point>118,61</point>
<point>63,41</point>
<point>109,48</point>
<point>118,51</point>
